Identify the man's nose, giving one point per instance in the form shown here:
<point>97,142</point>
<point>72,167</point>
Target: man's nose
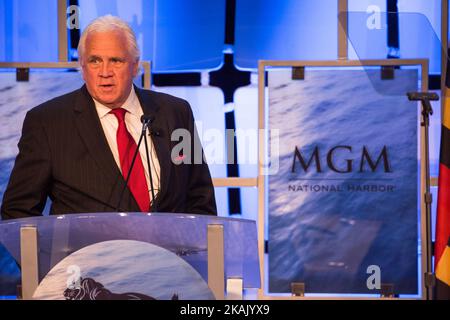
<point>106,69</point>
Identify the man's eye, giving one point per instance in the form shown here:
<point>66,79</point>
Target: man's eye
<point>94,61</point>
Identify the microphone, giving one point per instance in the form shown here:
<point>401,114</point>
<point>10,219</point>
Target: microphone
<point>419,96</point>
<point>146,118</point>
<point>146,121</point>
<point>427,110</point>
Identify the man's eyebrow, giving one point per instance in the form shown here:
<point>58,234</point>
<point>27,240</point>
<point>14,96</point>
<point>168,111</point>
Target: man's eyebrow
<point>91,57</point>
<point>117,59</point>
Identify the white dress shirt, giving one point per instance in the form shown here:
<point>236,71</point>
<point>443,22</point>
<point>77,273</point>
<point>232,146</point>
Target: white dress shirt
<point>134,126</point>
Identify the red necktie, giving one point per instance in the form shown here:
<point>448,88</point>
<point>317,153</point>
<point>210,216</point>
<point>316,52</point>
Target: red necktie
<point>127,147</point>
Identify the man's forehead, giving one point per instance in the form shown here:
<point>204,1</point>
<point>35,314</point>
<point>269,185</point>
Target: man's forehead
<point>106,40</point>
<point>106,46</point>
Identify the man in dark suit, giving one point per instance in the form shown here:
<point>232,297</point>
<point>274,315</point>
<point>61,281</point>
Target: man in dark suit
<point>77,148</point>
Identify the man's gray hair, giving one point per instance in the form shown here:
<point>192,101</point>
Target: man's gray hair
<point>110,23</point>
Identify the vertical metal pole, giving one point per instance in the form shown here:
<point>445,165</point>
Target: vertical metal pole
<point>428,274</point>
<point>343,29</point>
<point>423,207</point>
<point>261,176</point>
<point>29,261</point>
<point>216,261</point>
<point>63,51</point>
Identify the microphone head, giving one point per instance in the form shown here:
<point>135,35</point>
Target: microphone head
<point>418,96</point>
<point>147,118</point>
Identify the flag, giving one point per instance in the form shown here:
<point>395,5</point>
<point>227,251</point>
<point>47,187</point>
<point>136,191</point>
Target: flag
<point>442,242</point>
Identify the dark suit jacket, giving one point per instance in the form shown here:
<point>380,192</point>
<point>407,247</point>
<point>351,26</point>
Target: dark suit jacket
<point>64,154</point>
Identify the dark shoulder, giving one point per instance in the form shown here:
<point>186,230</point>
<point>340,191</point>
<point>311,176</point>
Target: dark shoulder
<point>166,101</point>
<point>164,97</point>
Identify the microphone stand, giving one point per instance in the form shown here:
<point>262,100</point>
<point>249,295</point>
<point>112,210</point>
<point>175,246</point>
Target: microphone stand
<point>146,120</point>
<point>427,110</point>
<point>144,129</point>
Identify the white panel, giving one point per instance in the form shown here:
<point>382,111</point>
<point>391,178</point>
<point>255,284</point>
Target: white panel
<point>207,107</point>
<point>246,116</point>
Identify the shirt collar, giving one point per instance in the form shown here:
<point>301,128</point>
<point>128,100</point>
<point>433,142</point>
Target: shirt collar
<point>131,105</point>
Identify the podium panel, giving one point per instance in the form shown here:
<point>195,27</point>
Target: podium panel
<point>184,235</point>
<point>123,270</point>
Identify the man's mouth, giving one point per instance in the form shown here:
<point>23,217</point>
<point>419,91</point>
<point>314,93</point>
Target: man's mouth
<point>107,88</point>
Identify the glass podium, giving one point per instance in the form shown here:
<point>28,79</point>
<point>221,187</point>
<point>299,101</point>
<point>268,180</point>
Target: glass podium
<point>221,250</point>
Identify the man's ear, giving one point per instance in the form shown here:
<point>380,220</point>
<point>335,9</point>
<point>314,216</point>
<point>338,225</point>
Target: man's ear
<point>81,69</point>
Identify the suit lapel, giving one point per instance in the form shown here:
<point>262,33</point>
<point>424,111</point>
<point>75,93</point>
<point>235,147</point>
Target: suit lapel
<point>160,137</point>
<point>91,132</point>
